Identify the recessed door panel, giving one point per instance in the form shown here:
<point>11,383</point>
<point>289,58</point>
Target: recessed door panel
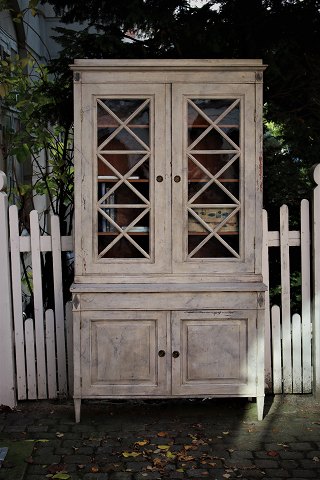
<point>216,353</point>
<point>120,353</point>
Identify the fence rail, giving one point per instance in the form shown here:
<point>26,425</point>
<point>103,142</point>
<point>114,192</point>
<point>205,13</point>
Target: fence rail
<point>37,351</point>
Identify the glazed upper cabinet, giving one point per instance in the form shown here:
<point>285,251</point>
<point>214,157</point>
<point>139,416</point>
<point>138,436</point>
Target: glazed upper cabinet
<point>167,178</point>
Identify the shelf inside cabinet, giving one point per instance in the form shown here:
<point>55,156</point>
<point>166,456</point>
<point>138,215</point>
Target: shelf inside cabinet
<point>110,125</point>
<point>221,180</point>
<point>200,125</point>
<point>115,180</point>
<point>115,234</point>
<point>202,234</point>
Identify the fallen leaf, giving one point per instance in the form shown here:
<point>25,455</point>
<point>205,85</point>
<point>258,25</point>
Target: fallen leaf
<point>164,447</point>
<point>159,462</point>
<point>226,475</point>
<point>180,470</point>
<point>29,460</point>
<point>131,454</point>
<point>170,455</point>
<point>225,433</point>
<point>60,435</point>
<point>142,443</point>
<point>316,459</point>
<point>94,469</point>
<point>61,476</point>
<point>273,453</point>
<point>189,447</point>
<point>162,434</point>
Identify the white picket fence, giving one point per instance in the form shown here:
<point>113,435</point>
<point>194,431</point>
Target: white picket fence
<point>37,352</point>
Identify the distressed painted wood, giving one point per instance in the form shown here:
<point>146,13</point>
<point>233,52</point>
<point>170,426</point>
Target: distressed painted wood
<point>51,354</point>
<point>59,306</point>
<point>17,304</point>
<point>267,320</point>
<point>276,349</point>
<point>214,353</point>
<point>69,335</point>
<point>7,377</point>
<point>296,354</point>
<point>306,297</point>
<point>202,310</point>
<point>30,359</point>
<point>285,299</point>
<point>316,284</point>
<point>38,305</point>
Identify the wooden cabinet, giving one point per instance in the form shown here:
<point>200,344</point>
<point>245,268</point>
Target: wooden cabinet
<point>168,293</point>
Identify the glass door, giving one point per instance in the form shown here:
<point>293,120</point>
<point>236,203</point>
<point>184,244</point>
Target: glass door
<point>212,191</point>
<point>127,161</point>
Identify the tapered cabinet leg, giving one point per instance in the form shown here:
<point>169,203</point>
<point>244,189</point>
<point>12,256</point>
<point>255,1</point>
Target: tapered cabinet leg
<point>260,406</point>
<point>77,409</point>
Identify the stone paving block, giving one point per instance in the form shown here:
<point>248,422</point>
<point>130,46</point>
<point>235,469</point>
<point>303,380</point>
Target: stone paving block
<point>78,459</point>
<point>304,473</point>
<point>277,473</point>
<point>96,476</point>
<point>265,463</point>
<point>308,463</point>
<point>37,428</point>
<point>120,476</point>
<point>237,462</point>
<point>46,459</point>
<point>43,451</point>
<point>15,428</point>
<point>289,464</point>
<point>314,454</point>
<point>241,454</point>
<point>300,446</point>
<point>137,466</point>
<point>289,454</point>
<point>146,476</point>
<point>197,473</point>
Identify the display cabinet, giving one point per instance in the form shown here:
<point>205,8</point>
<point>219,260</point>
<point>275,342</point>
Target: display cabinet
<point>168,298</point>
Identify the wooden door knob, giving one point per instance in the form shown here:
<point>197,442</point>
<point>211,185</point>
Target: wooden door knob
<point>161,353</point>
<point>175,354</point>
<point>177,178</point>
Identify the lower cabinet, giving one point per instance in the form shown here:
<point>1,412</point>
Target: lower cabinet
<point>168,354</point>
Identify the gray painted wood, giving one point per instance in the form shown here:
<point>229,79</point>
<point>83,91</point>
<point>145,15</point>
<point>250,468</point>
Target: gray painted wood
<point>156,325</point>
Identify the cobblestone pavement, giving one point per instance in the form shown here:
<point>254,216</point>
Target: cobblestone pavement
<point>178,439</point>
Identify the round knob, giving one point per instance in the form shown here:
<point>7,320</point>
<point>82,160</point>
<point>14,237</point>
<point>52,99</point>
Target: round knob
<point>161,353</point>
<point>177,178</point>
<point>159,178</point>
<point>175,354</point>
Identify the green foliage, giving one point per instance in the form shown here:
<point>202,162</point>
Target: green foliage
<point>28,90</point>
<point>45,139</point>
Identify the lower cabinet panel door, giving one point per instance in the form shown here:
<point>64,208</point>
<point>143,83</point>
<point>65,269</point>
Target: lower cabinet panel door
<point>214,353</point>
<point>120,353</point>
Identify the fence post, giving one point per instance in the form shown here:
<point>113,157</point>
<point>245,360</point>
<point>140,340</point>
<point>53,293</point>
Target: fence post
<point>7,371</point>
<point>316,285</point>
